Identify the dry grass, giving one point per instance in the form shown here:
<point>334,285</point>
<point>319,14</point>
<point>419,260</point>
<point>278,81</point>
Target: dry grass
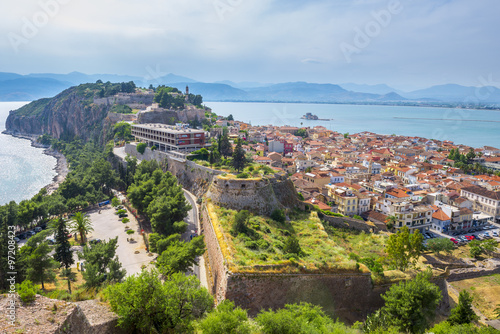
<point>485,290</point>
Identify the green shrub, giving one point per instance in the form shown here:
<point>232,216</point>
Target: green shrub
<point>119,212</point>
<point>125,220</point>
<point>27,291</point>
<point>243,176</point>
<point>141,147</point>
<point>239,224</point>
<point>115,202</point>
<point>278,215</point>
<point>292,246</point>
<point>130,232</point>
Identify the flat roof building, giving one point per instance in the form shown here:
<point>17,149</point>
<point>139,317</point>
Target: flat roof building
<point>170,137</point>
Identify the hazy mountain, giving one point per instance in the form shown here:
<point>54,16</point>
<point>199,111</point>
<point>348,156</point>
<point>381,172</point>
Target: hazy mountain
<point>457,93</point>
<point>307,92</point>
<point>9,76</point>
<point>372,89</point>
<point>244,84</point>
<point>77,78</point>
<point>28,89</point>
<point>213,91</point>
<point>170,79</point>
<point>391,97</point>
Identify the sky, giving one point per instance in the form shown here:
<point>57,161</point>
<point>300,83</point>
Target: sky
<point>406,44</point>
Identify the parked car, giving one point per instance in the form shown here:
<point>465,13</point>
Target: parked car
<point>454,240</point>
<point>495,233</point>
<point>16,239</point>
<point>122,215</point>
<point>51,240</point>
<point>487,235</point>
<point>22,236</point>
<point>30,233</point>
<point>95,241</point>
<point>38,229</point>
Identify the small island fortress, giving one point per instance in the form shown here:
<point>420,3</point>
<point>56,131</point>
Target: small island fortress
<point>310,117</point>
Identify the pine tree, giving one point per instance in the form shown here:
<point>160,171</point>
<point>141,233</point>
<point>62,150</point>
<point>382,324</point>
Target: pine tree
<point>239,156</point>
<point>40,265</point>
<point>225,147</point>
<point>463,312</point>
<point>63,253</point>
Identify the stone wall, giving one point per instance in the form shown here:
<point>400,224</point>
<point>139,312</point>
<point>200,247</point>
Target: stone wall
<point>466,273</point>
<point>350,223</point>
<point>163,117</point>
<point>218,273</point>
<point>350,297</point>
<point>192,176</point>
<point>115,117</point>
<point>244,194</point>
<point>126,98</point>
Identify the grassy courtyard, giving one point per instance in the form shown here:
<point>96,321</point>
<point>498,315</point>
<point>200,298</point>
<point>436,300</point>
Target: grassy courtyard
<point>324,249</point>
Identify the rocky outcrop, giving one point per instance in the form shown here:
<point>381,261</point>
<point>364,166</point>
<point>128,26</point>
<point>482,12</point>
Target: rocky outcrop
<point>65,116</point>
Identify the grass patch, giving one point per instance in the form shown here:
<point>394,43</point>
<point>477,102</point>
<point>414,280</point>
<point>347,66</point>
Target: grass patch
<point>485,290</point>
<point>324,249</point>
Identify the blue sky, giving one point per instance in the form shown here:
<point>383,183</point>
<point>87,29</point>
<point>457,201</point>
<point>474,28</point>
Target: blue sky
<point>405,43</point>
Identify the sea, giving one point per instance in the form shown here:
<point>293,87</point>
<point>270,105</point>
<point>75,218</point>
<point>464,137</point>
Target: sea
<point>24,169</point>
<point>474,128</point>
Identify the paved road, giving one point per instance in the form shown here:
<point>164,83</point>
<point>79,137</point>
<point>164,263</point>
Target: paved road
<point>194,229</point>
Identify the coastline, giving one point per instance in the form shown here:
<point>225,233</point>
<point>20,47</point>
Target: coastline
<point>61,167</point>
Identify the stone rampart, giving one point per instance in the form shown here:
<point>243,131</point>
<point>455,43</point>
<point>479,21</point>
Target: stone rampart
<point>349,296</point>
<point>255,195</point>
<point>192,176</point>
<point>126,98</point>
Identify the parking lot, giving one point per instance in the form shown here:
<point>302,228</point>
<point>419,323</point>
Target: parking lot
<point>107,225</point>
<point>462,237</point>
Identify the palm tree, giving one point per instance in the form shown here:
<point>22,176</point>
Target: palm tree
<point>81,224</point>
<point>391,221</point>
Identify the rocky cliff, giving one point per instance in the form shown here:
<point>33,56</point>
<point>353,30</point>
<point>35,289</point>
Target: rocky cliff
<point>69,114</point>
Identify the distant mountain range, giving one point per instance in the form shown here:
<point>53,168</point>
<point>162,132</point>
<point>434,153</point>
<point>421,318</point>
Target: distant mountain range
<point>16,87</point>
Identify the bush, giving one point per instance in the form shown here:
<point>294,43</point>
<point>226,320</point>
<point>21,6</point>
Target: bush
<point>130,232</point>
<point>292,246</point>
<point>119,212</point>
<point>278,215</point>
<point>243,176</point>
<point>115,202</point>
<point>239,224</point>
<point>125,220</point>
<point>141,148</point>
<point>358,217</point>
<point>27,291</point>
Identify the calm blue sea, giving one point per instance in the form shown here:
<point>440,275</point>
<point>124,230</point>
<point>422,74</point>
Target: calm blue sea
<point>24,170</point>
<point>463,126</point>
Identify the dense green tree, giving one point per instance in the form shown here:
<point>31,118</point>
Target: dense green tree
<point>141,147</point>
<point>300,318</point>
<point>165,98</point>
<point>41,265</point>
<point>101,265</point>
<point>146,304</point>
<point>463,312</point>
<point>411,306</point>
<point>230,117</point>
<point>302,133</point>
<point>82,225</point>
<point>391,222</point>
<point>63,253</point>
<point>438,245</point>
<point>123,131</point>
<point>225,148</point>
<point>446,328</point>
<point>226,319</point>
<point>180,256</point>
<point>239,160</point>
<point>404,248</point>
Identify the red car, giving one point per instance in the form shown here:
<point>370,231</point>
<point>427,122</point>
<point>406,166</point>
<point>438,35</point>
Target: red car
<point>470,237</point>
<point>454,240</point>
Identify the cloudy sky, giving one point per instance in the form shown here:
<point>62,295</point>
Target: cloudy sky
<point>404,43</point>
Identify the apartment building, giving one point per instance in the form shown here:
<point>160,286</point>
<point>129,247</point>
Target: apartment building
<point>170,138</point>
<point>483,200</point>
<point>414,215</point>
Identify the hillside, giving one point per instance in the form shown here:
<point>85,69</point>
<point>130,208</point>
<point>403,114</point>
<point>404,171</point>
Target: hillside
<point>71,113</point>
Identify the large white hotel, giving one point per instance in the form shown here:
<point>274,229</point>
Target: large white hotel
<point>170,137</point>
